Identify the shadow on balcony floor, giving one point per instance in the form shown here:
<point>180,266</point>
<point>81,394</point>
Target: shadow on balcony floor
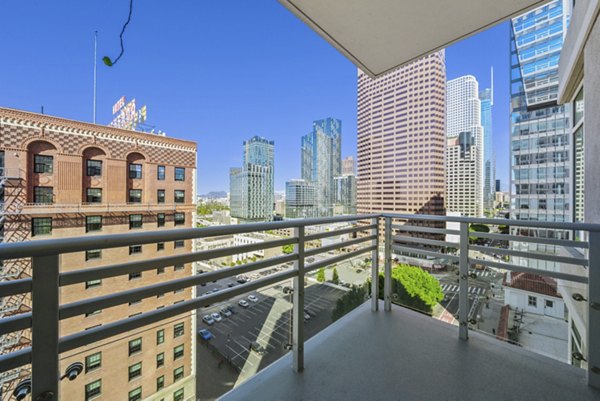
<point>404,355</point>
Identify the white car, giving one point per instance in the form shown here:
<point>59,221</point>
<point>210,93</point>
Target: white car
<point>208,320</point>
<point>216,316</point>
<point>225,312</point>
<point>243,303</point>
<point>253,298</point>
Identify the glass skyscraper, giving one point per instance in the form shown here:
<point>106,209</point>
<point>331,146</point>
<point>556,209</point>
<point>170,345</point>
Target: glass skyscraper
<point>486,97</point>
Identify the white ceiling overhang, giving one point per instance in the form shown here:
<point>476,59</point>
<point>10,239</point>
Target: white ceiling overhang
<point>381,35</point>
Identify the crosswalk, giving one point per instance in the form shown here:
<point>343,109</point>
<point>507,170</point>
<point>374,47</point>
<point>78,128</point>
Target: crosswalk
<point>454,288</point>
<point>484,273</point>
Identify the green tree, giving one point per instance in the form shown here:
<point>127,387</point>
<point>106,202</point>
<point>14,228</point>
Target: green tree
<point>287,249</point>
<point>481,228</point>
<point>321,275</point>
<point>349,301</point>
<point>336,278</point>
<point>209,207</point>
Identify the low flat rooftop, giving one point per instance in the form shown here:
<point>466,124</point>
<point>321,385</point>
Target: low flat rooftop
<point>404,355</point>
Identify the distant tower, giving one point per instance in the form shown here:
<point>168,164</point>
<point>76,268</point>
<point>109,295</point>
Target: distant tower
<point>489,158</point>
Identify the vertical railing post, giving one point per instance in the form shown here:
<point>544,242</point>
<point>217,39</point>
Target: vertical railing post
<point>298,305</point>
<point>387,268</point>
<point>593,332</point>
<point>44,330</point>
<point>463,290</point>
<point>375,266</point>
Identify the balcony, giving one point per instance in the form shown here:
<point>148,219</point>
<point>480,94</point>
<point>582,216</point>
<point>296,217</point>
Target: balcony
<point>84,208</point>
<point>379,350</point>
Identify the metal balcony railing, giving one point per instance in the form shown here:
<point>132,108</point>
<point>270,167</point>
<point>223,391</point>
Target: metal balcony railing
<point>403,234</point>
<point>74,208</point>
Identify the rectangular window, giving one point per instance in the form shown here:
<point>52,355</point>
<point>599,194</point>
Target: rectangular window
<point>160,382</point>
<point>160,196</point>
<point>93,283</point>
<point>160,219</point>
<point>93,223</point>
<point>178,373</point>
<point>135,171</point>
<point>135,221</point>
<point>179,219</point>
<point>133,276</point>
<point>94,195</point>
<point>135,196</point>
<point>160,270</point>
<point>549,304</point>
<point>135,346</point>
<point>135,371</point>
<point>93,362</point>
<point>43,195</point>
<point>94,389</point>
<point>178,352</point>
<point>160,336</point>
<point>179,244</point>
<point>160,246</point>
<point>160,360</point>
<point>178,330</point>
<point>160,173</point>
<point>179,196</point>
<point>94,168</point>
<point>532,301</point>
<point>93,254</point>
<point>178,395</point>
<point>136,394</point>
<point>133,249</point>
<point>41,226</point>
<point>43,164</point>
<point>179,267</point>
<point>179,174</point>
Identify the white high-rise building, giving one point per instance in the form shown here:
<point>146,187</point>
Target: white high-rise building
<point>464,151</point>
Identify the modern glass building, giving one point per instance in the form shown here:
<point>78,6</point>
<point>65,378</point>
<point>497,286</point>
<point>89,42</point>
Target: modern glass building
<point>300,199</point>
<point>321,160</point>
<point>345,194</point>
<point>486,97</point>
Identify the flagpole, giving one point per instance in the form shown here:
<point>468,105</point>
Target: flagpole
<point>95,67</point>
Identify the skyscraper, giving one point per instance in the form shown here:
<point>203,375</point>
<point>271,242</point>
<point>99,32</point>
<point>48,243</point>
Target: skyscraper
<point>300,199</point>
<point>252,189</point>
<point>345,194</point>
<point>348,166</point>
<point>401,139</point>
<point>486,97</point>
<point>322,161</point>
<point>464,153</point>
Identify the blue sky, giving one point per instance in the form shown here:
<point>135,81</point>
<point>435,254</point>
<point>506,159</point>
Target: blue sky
<point>213,72</point>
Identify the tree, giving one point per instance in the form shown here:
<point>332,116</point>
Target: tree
<point>321,275</point>
<point>209,207</point>
<point>287,249</point>
<point>336,278</point>
<point>481,228</point>
<point>349,301</point>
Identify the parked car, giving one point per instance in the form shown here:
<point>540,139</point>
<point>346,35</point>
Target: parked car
<point>216,316</point>
<point>208,320</point>
<point>225,312</point>
<point>241,280</point>
<point>243,303</point>
<point>205,334</point>
<point>306,316</point>
<point>230,308</point>
<point>253,298</point>
<point>231,285</point>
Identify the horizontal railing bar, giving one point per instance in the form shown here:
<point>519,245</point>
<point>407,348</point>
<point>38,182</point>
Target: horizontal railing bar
<point>15,287</point>
<point>15,359</point>
<point>530,255</point>
<point>509,222</point>
<point>337,245</point>
<point>561,276</point>
<point>83,275</point>
<point>431,230</point>
<point>106,301</point>
<point>327,234</point>
<point>69,245</point>
<point>421,251</point>
<point>426,241</point>
<point>337,259</point>
<point>523,238</point>
<point>14,323</point>
<point>93,335</point>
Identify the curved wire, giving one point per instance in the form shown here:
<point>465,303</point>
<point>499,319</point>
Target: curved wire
<point>121,35</point>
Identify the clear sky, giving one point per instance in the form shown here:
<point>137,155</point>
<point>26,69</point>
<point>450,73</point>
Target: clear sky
<point>216,72</point>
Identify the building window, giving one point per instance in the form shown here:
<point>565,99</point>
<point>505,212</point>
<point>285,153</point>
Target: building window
<point>41,226</point>
<point>43,164</point>
<point>160,360</point>
<point>136,275</point>
<point>160,383</point>
<point>179,219</point>
<point>160,173</point>
<point>178,352</point>
<point>179,196</point>
<point>160,219</point>
<point>133,249</point>
<point>93,254</point>
<point>43,195</point>
<point>135,371</point>
<point>160,246</point>
<point>136,394</point>
<point>93,223</point>
<point>532,301</point>
<point>178,330</point>
<point>93,362</point>
<point>160,196</point>
<point>178,395</point>
<point>135,346</point>
<point>160,336</point>
<point>94,389</point>
<point>179,174</point>
<point>549,304</point>
<point>178,373</point>
<point>93,283</point>
<point>160,270</point>
<point>179,244</point>
<point>179,267</point>
<point>94,195</point>
<point>135,221</point>
<point>135,171</point>
<point>135,196</point>
<point>94,168</point>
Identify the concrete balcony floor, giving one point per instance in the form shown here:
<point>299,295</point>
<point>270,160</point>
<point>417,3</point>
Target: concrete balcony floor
<point>403,355</point>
